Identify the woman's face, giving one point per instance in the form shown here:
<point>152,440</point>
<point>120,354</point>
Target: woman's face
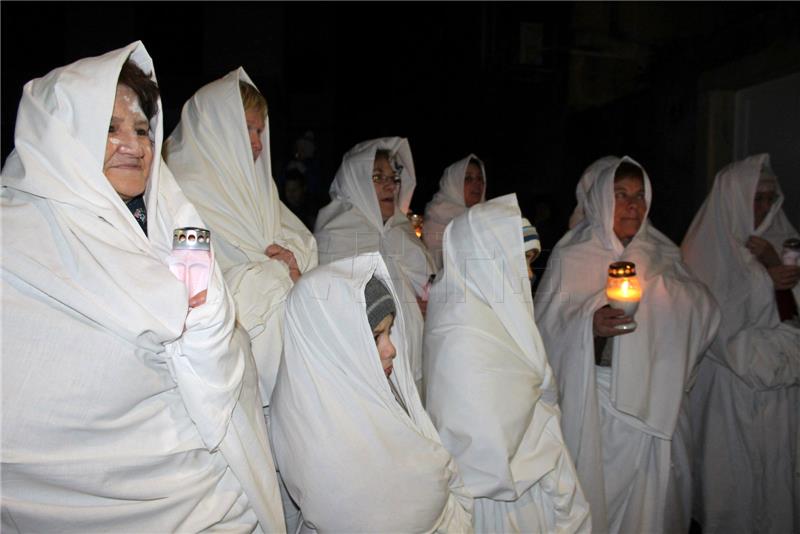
<point>255,127</point>
<point>383,180</point>
<point>629,206</point>
<point>473,185</point>
<point>766,195</point>
<point>129,149</point>
<point>530,256</point>
<point>386,349</point>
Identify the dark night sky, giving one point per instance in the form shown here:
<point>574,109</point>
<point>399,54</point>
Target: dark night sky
<point>449,76</point>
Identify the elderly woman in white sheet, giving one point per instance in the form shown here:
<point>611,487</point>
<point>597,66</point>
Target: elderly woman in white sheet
<point>623,397</point>
<point>463,185</point>
<point>126,407</point>
<point>220,156</point>
<point>357,449</point>
<point>490,390</point>
<point>588,178</point>
<point>745,403</point>
<point>370,197</point>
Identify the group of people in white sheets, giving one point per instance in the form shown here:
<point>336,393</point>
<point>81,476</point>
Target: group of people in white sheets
<point>358,378</point>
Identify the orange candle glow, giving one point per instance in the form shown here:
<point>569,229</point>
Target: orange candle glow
<point>622,289</point>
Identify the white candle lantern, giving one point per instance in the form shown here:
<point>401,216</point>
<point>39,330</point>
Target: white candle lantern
<point>623,290</point>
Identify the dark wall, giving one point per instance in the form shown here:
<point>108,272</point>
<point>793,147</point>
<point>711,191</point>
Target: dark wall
<point>591,79</point>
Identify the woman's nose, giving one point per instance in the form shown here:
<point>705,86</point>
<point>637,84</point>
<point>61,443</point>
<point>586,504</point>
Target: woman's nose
<point>129,143</point>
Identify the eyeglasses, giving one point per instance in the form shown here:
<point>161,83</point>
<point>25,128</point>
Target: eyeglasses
<point>381,179</point>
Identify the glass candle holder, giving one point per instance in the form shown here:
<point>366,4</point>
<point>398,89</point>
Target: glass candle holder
<point>190,260</point>
<point>623,290</point>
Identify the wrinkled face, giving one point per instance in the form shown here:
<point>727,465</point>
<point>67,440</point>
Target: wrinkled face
<point>255,127</point>
<point>473,185</point>
<point>629,207</point>
<point>384,186</point>
<point>129,150</point>
<point>386,349</point>
<point>766,195</point>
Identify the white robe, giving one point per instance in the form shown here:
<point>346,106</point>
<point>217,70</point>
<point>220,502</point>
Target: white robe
<point>626,426</point>
<point>209,153</point>
<point>447,204</point>
<point>120,411</point>
<point>352,224</point>
<point>746,402</point>
<point>489,388</point>
<point>353,459</point>
<point>588,178</point>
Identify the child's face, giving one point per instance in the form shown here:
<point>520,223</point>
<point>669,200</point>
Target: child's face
<point>386,349</point>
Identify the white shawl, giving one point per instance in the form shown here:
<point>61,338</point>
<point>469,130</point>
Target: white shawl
<point>447,204</point>
<point>653,365</point>
<point>489,388</point>
<point>588,178</point>
<point>352,224</point>
<point>714,248</point>
<point>209,153</point>
<point>352,458</point>
<point>115,401</point>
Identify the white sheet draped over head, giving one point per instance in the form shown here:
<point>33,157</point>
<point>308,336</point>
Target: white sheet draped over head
<point>447,204</point>
<point>588,178</point>
<point>744,406</point>
<point>653,365</point>
<point>715,250</point>
<point>489,388</point>
<point>352,224</point>
<point>112,395</point>
<point>352,458</point>
<point>209,153</point>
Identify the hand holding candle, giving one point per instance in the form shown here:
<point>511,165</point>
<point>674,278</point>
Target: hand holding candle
<point>623,290</point>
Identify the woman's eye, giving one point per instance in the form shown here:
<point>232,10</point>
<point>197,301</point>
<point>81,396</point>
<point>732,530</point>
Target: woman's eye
<point>111,128</point>
<point>143,132</point>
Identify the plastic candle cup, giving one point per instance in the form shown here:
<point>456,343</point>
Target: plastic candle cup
<point>791,252</point>
<point>623,290</point>
<point>190,260</point>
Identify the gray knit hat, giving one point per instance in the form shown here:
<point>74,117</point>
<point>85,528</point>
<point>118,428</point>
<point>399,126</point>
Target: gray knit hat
<point>379,302</point>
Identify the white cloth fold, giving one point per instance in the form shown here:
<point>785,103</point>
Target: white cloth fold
<point>447,203</point>
<point>489,388</point>
<point>209,153</point>
<point>351,457</point>
<point>744,407</point>
<point>351,224</point>
<point>119,410</point>
<point>652,367</point>
<point>588,178</point>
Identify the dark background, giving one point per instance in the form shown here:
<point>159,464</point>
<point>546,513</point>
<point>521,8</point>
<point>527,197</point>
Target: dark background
<point>537,90</point>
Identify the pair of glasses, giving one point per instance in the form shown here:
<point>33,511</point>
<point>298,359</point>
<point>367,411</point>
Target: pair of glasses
<point>385,179</point>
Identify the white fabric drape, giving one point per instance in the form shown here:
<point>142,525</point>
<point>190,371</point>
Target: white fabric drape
<point>120,412</point>
<point>489,388</point>
<point>352,224</point>
<point>588,178</point>
<point>352,458</point>
<point>447,203</point>
<point>209,153</point>
<point>618,427</point>
<point>745,403</point>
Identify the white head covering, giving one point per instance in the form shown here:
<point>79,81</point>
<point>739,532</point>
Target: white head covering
<point>489,388</point>
<point>112,332</point>
<point>210,154</point>
<point>446,204</point>
<point>588,178</point>
<point>352,458</point>
<point>714,248</point>
<point>352,224</point>
<point>650,384</point>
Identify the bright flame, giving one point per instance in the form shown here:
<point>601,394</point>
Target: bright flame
<point>625,287</point>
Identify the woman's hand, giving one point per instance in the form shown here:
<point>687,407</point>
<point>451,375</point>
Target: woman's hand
<point>784,276</point>
<point>277,252</point>
<point>606,320</point>
<point>763,251</point>
<point>198,299</point>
